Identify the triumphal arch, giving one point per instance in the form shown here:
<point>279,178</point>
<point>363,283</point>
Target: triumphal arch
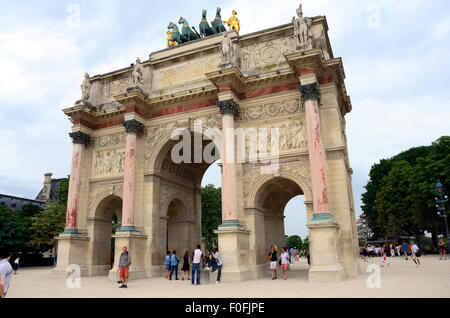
<point>269,105</point>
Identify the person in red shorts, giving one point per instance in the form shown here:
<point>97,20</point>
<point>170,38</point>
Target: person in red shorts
<point>124,266</point>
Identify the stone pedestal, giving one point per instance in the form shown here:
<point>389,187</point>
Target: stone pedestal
<point>135,243</point>
<point>72,250</point>
<point>323,242</point>
<point>234,249</point>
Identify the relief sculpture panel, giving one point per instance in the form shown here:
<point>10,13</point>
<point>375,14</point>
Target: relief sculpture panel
<point>109,162</point>
<point>266,55</point>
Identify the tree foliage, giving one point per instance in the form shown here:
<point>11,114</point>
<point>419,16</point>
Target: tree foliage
<point>211,214</point>
<point>294,241</point>
<point>399,197</point>
<point>51,221</point>
<point>15,227</point>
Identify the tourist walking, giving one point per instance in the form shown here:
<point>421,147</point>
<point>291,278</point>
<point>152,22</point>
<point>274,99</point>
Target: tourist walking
<point>217,264</point>
<point>308,257</point>
<point>124,266</point>
<point>284,260</point>
<point>174,260</point>
<point>384,260</point>
<point>167,263</point>
<point>398,249</point>
<point>365,253</point>
<point>415,254</point>
<point>186,265</point>
<point>196,260</point>
<point>392,250</point>
<point>292,255</point>
<point>442,249</point>
<point>273,261</point>
<point>405,249</point>
<point>16,265</point>
<point>6,271</point>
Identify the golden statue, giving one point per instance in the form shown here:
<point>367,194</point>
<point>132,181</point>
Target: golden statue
<point>170,41</point>
<point>234,23</point>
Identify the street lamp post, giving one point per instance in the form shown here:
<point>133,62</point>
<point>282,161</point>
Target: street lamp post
<point>441,207</point>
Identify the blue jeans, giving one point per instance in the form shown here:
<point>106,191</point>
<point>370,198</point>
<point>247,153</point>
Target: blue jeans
<point>174,269</point>
<point>219,273</point>
<point>196,267</point>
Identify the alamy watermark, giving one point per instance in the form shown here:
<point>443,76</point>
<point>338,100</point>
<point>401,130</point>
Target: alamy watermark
<point>74,18</point>
<point>374,279</point>
<point>73,279</point>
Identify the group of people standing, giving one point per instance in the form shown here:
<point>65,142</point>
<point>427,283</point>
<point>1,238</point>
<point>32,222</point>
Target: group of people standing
<point>210,260</point>
<point>392,250</point>
<point>288,255</point>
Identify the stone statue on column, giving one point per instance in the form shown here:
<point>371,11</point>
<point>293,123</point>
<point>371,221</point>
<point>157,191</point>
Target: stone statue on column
<point>227,51</point>
<point>86,89</point>
<point>302,29</point>
<point>137,75</point>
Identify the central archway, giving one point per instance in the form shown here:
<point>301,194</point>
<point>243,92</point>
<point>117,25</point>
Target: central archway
<point>107,218</point>
<point>178,188</point>
<point>267,203</point>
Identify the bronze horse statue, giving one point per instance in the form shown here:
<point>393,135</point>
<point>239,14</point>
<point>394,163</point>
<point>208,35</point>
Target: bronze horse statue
<point>217,24</point>
<point>188,34</point>
<point>204,27</point>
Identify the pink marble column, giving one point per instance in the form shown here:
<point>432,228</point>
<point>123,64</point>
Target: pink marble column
<point>228,109</point>
<point>310,96</point>
<point>132,127</point>
<point>79,140</point>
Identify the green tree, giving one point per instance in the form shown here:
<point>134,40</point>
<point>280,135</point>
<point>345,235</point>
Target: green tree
<point>51,221</point>
<point>294,241</point>
<point>211,214</point>
<point>15,228</point>
<point>399,197</point>
<point>393,206</point>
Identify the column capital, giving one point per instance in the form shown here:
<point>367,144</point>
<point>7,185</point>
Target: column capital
<point>80,138</point>
<point>228,106</point>
<point>309,91</point>
<point>133,126</point>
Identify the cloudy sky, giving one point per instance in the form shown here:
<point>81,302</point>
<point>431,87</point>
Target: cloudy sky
<point>395,53</point>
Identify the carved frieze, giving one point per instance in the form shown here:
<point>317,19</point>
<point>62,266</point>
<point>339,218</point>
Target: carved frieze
<point>110,140</point>
<point>267,54</point>
<point>109,162</point>
<point>271,110</point>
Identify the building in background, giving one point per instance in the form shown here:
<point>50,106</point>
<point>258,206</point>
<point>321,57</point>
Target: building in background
<point>47,193</point>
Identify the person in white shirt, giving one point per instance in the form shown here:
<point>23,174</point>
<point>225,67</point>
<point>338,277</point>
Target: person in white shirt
<point>6,271</point>
<point>284,257</point>
<point>217,265</point>
<point>415,257</point>
<point>196,260</point>
<point>16,265</point>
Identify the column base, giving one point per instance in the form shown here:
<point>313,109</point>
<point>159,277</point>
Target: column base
<point>72,250</point>
<point>232,223</point>
<point>323,249</point>
<point>127,228</point>
<point>70,231</point>
<point>234,251</point>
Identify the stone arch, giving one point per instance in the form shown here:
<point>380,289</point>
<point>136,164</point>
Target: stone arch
<point>98,195</point>
<point>100,232</point>
<point>179,227</point>
<point>262,180</point>
<point>165,143</point>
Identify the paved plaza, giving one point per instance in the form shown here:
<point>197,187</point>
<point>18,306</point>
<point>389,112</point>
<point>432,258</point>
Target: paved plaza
<point>401,279</point>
